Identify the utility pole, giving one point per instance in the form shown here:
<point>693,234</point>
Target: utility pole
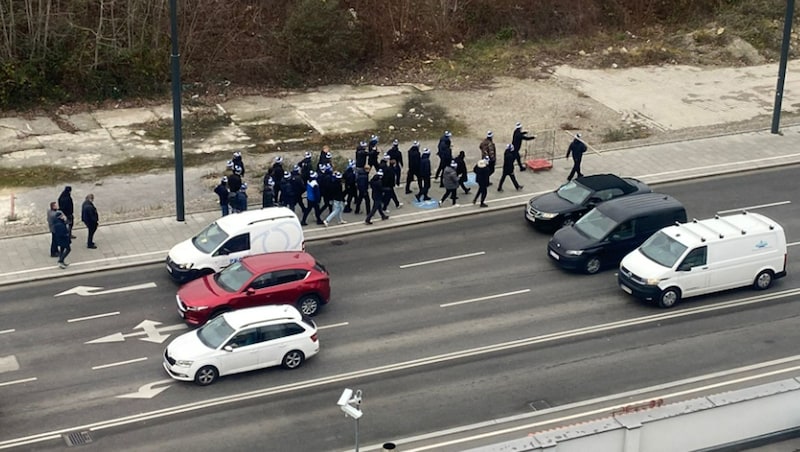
<point>787,36</point>
<point>176,110</point>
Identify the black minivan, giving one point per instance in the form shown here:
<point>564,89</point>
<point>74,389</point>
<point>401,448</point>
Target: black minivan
<point>602,237</point>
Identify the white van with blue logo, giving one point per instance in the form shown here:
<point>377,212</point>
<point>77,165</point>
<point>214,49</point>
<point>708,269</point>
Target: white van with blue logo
<point>700,257</point>
<point>233,237</point>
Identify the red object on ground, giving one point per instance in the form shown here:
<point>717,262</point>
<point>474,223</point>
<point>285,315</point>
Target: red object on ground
<point>539,164</point>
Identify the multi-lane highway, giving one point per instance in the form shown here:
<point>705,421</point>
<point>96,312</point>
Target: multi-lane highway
<point>440,325</point>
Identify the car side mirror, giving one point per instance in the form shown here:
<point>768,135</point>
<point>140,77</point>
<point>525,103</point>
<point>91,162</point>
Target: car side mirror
<point>593,202</point>
<point>250,291</point>
<point>685,267</point>
<point>228,348</point>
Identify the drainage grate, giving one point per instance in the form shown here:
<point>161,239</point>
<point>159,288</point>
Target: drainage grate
<point>77,438</point>
<point>539,405</point>
<point>338,242</point>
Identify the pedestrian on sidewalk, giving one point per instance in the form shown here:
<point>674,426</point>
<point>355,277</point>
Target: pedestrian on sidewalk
<point>350,189</point>
<point>222,191</point>
<point>305,166</point>
<point>61,232</point>
<point>337,196</point>
<point>90,218</point>
<point>288,197</point>
<point>361,154</point>
<point>509,159</point>
<point>489,152</point>
<point>325,188</point>
<point>299,188</point>
<point>413,166</point>
<point>325,157</point>
<point>576,148</point>
<point>66,205</point>
<point>241,199</point>
<point>268,194</point>
<point>238,162</point>
<point>424,176</point>
<point>362,185</point>
<point>481,170</point>
<point>461,170</point>
<point>376,184</point>
<point>389,179</point>
<point>396,161</point>
<point>52,214</point>
<point>450,181</point>
<point>517,138</point>
<point>234,182</point>
<point>445,154</point>
<point>276,173</point>
<point>313,197</point>
<point>373,153</point>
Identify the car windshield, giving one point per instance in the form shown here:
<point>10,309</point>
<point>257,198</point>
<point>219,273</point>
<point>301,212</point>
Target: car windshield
<point>234,277</point>
<point>215,332</point>
<point>573,192</point>
<point>595,225</point>
<point>662,249</point>
<point>209,238</point>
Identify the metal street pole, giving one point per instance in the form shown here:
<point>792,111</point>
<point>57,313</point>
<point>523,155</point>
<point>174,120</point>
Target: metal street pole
<point>176,110</point>
<point>787,36</point>
<point>356,435</point>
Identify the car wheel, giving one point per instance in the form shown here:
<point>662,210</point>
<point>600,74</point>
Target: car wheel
<point>206,375</point>
<point>669,297</point>
<point>308,304</point>
<point>593,265</point>
<point>293,359</point>
<point>763,280</point>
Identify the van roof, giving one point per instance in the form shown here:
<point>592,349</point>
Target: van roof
<point>238,220</point>
<point>247,316</point>
<point>631,206</point>
<point>719,228</point>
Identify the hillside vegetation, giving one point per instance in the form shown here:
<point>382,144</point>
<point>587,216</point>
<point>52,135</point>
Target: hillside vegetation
<point>54,52</point>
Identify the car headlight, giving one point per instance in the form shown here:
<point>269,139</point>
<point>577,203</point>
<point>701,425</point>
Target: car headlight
<point>574,252</point>
<point>196,308</point>
<point>652,281</point>
<point>183,363</point>
<point>185,266</point>
<point>547,216</point>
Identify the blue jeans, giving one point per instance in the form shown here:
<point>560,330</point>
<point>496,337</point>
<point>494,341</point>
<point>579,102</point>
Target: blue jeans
<point>338,207</point>
<point>224,209</point>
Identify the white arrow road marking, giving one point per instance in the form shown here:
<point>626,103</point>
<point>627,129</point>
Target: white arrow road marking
<point>8,363</point>
<point>149,326</point>
<point>147,391</point>
<point>87,291</point>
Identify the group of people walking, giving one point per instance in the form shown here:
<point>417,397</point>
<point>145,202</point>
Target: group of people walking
<point>60,219</point>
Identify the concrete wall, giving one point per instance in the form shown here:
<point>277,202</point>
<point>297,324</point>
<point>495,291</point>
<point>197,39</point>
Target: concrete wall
<point>694,424</point>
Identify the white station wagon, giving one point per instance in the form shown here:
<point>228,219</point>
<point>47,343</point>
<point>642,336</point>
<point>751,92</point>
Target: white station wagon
<point>242,340</point>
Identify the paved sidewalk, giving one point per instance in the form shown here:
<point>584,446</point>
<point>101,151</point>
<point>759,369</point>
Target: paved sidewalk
<point>148,240</point>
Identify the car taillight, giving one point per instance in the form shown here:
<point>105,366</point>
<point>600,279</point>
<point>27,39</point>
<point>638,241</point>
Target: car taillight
<point>314,337</point>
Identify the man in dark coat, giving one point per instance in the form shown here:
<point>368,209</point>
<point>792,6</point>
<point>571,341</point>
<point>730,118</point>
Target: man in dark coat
<point>222,191</point>
<point>350,189</point>
<point>424,176</point>
<point>52,214</point>
<point>396,156</point>
<point>268,194</point>
<point>481,170</point>
<point>66,205</point>
<point>61,233</point>
<point>576,148</point>
<point>413,166</point>
<point>90,218</point>
<point>276,173</point>
<point>325,157</point>
<point>388,181</point>
<point>238,162</point>
<point>445,154</point>
<point>509,159</point>
<point>361,154</point>
<point>299,186</point>
<point>489,152</point>
<point>362,185</point>
<point>234,182</point>
<point>516,140</point>
<point>288,194</point>
<point>305,166</point>
<point>373,152</point>
<point>461,171</point>
<point>376,184</point>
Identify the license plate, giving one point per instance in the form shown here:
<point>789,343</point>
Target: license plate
<point>169,269</point>
<point>626,288</point>
<point>554,255</point>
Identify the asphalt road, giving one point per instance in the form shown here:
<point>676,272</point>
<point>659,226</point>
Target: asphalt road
<point>433,345</point>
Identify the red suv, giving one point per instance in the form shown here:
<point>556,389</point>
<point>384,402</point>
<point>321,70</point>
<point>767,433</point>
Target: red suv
<point>290,277</point>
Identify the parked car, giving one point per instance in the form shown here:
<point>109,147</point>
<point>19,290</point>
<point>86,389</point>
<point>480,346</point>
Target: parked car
<point>240,341</point>
<point>289,277</point>
<point>572,200</point>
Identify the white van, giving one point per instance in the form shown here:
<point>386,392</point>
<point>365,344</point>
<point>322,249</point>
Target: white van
<point>705,256</point>
<point>233,237</point>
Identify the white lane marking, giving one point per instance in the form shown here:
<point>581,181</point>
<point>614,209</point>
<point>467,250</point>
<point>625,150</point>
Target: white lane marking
<point>148,391</point>
<point>121,363</point>
<point>8,331</point>
<point>24,380</point>
<point>96,261</point>
<point>488,297</point>
<point>335,325</point>
<point>8,363</point>
<point>92,317</point>
<point>444,259</point>
<point>558,421</point>
<point>760,206</point>
<point>788,244</point>
<point>388,368</point>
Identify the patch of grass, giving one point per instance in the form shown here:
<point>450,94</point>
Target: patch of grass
<point>198,124</point>
<point>625,134</point>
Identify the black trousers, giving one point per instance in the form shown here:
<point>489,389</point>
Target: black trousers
<point>376,208</point>
<point>389,195</point>
<point>425,185</point>
<point>481,193</point>
<point>53,246</point>
<point>63,252</point>
<point>410,178</point>
<point>510,176</point>
<point>576,168</point>
<point>311,205</point>
<point>362,196</point>
<point>92,229</point>
<point>451,193</point>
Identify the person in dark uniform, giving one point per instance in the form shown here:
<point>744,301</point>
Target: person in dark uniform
<point>90,218</point>
<point>313,197</point>
<point>234,183</point>
<point>276,174</point>
<point>66,206</point>
<point>288,193</point>
<point>376,184</point>
<point>362,185</point>
<point>576,148</point>
<point>461,170</point>
<point>413,166</point>
<point>237,161</point>
<point>397,156</point>
<point>305,166</point>
<point>481,170</point>
<point>299,187</point>
<point>489,152</point>
<point>325,156</point>
<point>517,139</point>
<point>61,233</point>
<point>325,188</point>
<point>350,190</point>
<point>373,152</point>
<point>222,191</point>
<point>424,176</point>
<point>337,196</point>
<point>509,159</point>
<point>361,154</point>
<point>268,194</point>
<point>388,184</point>
<point>445,154</point>
<point>52,215</point>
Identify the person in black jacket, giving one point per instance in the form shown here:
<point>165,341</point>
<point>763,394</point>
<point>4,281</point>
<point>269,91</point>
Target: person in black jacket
<point>222,191</point>
<point>424,176</point>
<point>376,184</point>
<point>388,180</point>
<point>268,194</point>
<point>445,154</point>
<point>413,166</point>
<point>52,215</point>
<point>61,233</point>
<point>396,156</point>
<point>350,189</point>
<point>576,148</point>
<point>288,192</point>
<point>461,171</point>
<point>238,162</point>
<point>361,154</point>
<point>509,159</point>
<point>234,182</point>
<point>325,185</point>
<point>337,196</point>
<point>362,185</point>
<point>66,206</point>
<point>482,173</point>
<point>299,187</point>
<point>516,140</point>
<point>305,166</point>
<point>276,173</point>
<point>325,157</point>
<point>90,218</point>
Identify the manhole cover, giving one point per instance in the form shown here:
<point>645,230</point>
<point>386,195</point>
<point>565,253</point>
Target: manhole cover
<point>338,242</point>
<point>540,405</point>
<point>77,438</point>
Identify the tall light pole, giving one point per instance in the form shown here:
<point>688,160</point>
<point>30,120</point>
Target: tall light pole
<point>176,109</point>
<point>787,37</point>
